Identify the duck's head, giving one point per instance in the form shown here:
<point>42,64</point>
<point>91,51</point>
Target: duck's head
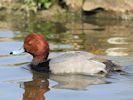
<point>37,46</point>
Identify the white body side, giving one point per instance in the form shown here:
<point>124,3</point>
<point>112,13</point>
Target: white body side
<point>76,62</point>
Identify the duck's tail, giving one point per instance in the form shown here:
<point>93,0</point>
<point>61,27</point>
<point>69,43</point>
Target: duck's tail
<point>110,66</point>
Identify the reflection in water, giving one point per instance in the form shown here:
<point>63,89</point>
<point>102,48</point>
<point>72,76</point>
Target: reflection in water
<point>35,89</point>
<point>117,40</point>
<point>93,35</point>
<point>117,51</point>
<point>104,37</point>
<point>75,82</point>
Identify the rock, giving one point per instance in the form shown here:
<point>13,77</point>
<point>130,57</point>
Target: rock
<point>10,1</point>
<point>115,8</point>
<point>10,4</point>
<point>114,5</point>
<point>74,4</point>
<point>118,9</point>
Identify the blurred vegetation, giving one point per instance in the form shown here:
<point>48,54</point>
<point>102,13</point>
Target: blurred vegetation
<point>35,5</point>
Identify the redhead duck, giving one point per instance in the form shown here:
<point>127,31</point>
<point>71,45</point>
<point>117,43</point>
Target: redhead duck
<point>71,62</point>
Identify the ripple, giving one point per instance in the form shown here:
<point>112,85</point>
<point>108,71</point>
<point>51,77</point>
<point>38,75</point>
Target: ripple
<point>117,51</point>
<point>117,40</point>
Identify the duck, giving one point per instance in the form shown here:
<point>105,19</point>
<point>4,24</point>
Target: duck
<point>70,62</point>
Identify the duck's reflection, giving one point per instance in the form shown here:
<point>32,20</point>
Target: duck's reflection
<point>35,89</point>
<point>75,82</point>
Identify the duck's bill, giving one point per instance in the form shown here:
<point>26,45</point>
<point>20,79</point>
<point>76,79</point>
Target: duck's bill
<point>16,52</point>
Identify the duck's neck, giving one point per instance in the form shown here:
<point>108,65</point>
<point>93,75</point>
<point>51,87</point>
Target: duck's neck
<point>38,59</point>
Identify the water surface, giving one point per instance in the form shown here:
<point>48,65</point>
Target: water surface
<point>110,38</point>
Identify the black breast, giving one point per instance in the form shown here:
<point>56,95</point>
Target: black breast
<point>41,67</point>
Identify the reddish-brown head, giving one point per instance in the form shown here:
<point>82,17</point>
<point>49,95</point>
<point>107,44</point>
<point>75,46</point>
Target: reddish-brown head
<point>37,46</point>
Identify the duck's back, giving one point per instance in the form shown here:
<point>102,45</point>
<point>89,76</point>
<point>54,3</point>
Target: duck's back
<point>79,62</point>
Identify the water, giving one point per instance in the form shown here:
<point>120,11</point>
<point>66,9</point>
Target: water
<point>110,38</point>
